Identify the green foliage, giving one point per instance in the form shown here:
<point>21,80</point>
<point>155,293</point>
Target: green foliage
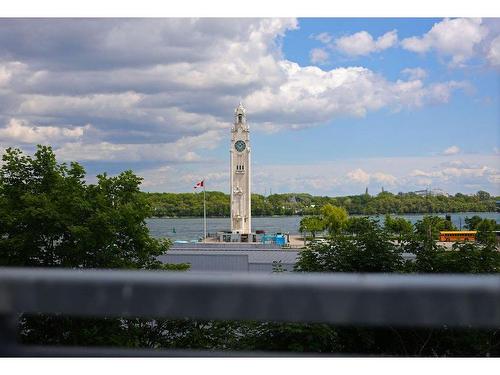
<point>334,218</point>
<point>292,337</point>
<point>191,204</point>
<point>483,195</point>
<point>473,222</point>
<point>430,226</point>
<point>370,250</point>
<point>398,226</point>
<point>52,218</point>
<point>356,225</point>
<point>486,228</point>
<point>311,224</point>
<point>463,257</point>
<point>486,231</point>
<point>278,266</point>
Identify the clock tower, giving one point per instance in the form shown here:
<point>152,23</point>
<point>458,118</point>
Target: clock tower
<point>241,215</point>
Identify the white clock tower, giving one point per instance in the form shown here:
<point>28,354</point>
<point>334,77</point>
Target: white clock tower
<point>241,215</point>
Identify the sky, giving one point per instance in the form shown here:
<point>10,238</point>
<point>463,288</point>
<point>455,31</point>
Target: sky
<point>334,105</point>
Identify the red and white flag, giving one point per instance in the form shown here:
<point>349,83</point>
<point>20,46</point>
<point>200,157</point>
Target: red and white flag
<point>199,184</point>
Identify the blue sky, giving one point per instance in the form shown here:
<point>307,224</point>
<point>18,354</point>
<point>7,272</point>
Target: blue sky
<point>335,105</point>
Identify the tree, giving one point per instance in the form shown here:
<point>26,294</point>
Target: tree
<point>52,218</point>
<point>483,195</point>
<point>473,222</point>
<point>486,231</point>
<point>430,226</point>
<point>335,218</point>
<point>371,250</point>
<point>465,257</point>
<point>399,226</point>
<point>312,224</point>
<point>188,204</point>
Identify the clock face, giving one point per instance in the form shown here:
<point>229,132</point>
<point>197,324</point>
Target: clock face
<point>240,146</point>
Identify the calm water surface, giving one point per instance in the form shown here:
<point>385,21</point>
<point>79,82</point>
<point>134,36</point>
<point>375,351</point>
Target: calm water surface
<point>192,228</point>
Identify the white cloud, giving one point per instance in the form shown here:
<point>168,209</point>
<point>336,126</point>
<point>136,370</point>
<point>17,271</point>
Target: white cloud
<point>362,43</point>
<point>318,56</point>
<point>324,38</point>
<point>493,54</point>
<point>414,73</point>
<point>351,176</point>
<point>457,38</point>
<point>4,76</point>
<point>19,131</point>
<point>310,95</point>
<point>358,176</point>
<point>181,150</point>
<point>452,150</point>
<point>444,173</point>
<point>9,70</point>
<point>164,90</point>
<point>111,105</point>
<point>385,178</point>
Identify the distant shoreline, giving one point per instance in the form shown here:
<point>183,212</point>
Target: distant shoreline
<point>381,214</point>
<point>303,204</point>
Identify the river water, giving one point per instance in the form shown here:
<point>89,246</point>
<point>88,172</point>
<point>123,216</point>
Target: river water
<point>192,228</point>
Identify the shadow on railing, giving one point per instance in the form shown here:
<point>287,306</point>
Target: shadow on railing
<point>341,299</point>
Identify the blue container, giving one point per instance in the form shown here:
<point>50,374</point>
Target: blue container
<point>280,240</point>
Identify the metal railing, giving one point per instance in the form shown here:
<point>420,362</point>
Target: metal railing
<point>341,299</point>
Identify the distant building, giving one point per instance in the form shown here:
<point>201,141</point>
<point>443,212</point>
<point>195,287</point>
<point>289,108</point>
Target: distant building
<point>431,192</point>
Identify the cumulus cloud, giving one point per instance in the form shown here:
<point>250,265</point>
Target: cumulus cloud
<point>310,95</point>
<point>168,78</point>
<point>8,70</point>
<point>385,178</point>
<point>4,76</point>
<point>359,176</point>
<point>318,56</point>
<point>452,150</point>
<point>443,173</point>
<point>323,37</point>
<point>181,150</point>
<point>414,73</point>
<point>352,176</point>
<point>362,43</point>
<point>163,90</point>
<point>455,38</point>
<point>493,54</point>
<point>19,131</point>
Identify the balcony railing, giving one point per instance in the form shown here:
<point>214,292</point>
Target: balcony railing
<point>341,299</point>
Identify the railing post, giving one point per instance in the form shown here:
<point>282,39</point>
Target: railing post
<point>8,334</point>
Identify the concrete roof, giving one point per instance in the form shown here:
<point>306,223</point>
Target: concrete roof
<point>254,256</point>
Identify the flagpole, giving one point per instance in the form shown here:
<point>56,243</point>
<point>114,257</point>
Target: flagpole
<point>204,213</point>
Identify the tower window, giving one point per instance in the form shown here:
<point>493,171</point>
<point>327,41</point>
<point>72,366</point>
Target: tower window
<point>240,118</point>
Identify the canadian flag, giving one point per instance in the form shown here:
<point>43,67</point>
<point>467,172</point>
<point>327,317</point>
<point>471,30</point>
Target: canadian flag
<point>199,184</point>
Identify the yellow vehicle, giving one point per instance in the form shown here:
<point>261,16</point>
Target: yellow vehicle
<point>457,235</point>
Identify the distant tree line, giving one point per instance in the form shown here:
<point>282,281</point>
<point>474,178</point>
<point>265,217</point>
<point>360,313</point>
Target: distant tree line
<point>218,204</point>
